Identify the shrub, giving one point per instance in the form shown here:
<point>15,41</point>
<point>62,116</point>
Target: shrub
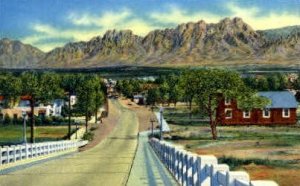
<point>57,119</point>
<point>94,128</point>
<point>38,120</point>
<point>237,162</point>
<point>47,120</point>
<point>7,120</point>
<point>88,136</point>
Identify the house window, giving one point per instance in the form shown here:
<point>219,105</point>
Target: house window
<point>246,114</point>
<point>266,113</point>
<point>285,113</point>
<point>228,113</point>
<point>227,101</point>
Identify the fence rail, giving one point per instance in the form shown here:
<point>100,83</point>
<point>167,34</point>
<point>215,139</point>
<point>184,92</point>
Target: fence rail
<point>193,170</point>
<point>11,154</point>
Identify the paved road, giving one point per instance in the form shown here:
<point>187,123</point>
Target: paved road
<point>107,164</point>
<point>147,168</point>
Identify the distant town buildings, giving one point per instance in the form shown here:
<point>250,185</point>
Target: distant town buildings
<point>54,108</point>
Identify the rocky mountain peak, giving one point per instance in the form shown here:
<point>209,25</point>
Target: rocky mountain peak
<point>231,39</point>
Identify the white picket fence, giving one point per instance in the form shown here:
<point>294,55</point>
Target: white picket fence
<point>194,170</point>
<point>11,154</point>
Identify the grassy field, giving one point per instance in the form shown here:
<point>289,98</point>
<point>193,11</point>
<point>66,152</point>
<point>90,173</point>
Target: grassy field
<point>12,134</point>
<point>264,152</point>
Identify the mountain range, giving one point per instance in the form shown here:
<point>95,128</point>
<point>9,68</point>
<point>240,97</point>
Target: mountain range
<point>229,42</point>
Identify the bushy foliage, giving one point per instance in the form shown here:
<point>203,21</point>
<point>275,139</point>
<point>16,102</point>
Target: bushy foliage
<point>88,136</point>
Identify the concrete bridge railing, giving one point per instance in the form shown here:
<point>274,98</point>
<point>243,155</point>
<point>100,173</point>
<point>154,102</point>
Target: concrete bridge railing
<point>194,170</point>
<point>14,153</point>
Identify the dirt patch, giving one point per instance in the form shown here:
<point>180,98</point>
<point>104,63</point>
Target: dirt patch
<point>283,176</point>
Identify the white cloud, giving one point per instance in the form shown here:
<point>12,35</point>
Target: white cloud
<point>175,15</point>
<point>49,46</point>
<point>108,19</point>
<point>44,32</point>
<point>266,21</point>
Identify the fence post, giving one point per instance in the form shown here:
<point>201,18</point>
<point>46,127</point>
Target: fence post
<point>214,173</point>
<point>189,169</point>
<point>26,151</point>
<point>1,155</point>
<point>7,154</point>
<point>14,152</point>
<point>234,175</point>
<point>185,168</point>
<point>206,161</point>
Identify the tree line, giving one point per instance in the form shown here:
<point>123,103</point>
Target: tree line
<point>203,87</point>
<point>43,87</point>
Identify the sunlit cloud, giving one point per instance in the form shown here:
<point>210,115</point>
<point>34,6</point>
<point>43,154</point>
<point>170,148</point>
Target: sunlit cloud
<point>251,15</point>
<point>49,46</point>
<point>176,15</point>
<point>107,19</point>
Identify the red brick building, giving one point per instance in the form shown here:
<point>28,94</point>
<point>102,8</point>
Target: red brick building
<point>281,111</point>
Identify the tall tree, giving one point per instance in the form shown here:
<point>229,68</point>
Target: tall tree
<point>152,96</point>
<point>86,97</point>
<point>174,90</point>
<point>10,87</point>
<point>69,83</point>
<point>39,88</point>
<point>262,84</point>
<point>32,90</point>
<point>215,85</point>
<point>273,82</point>
<point>99,96</point>
<point>188,83</point>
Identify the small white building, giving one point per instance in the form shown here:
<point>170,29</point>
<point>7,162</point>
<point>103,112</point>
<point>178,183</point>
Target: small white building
<point>57,107</point>
<point>73,100</point>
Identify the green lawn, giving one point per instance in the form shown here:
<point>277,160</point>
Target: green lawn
<point>12,134</point>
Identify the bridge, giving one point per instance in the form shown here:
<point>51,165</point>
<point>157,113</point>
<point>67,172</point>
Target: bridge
<point>125,157</point>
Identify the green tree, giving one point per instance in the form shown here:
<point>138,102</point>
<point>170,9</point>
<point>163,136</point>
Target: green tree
<point>127,88</point>
<point>10,87</point>
<point>152,96</point>
<point>188,83</point>
<point>85,98</point>
<point>163,92</point>
<point>99,96</point>
<point>174,90</point>
<point>283,81</point>
<point>273,82</point>
<point>39,88</point>
<point>215,85</point>
<point>69,83</point>
<point>262,84</point>
<point>251,82</point>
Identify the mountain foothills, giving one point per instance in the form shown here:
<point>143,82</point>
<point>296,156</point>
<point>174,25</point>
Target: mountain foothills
<point>229,42</point>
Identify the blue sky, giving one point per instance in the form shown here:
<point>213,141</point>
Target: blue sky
<point>47,24</point>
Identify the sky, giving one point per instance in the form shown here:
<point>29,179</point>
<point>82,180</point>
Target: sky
<point>47,24</point>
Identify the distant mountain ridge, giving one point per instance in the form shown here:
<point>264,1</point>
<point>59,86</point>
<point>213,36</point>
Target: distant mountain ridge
<point>14,54</point>
<point>231,41</point>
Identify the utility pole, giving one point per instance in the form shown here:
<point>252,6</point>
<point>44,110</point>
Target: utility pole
<point>152,120</point>
<point>24,114</point>
<point>161,123</point>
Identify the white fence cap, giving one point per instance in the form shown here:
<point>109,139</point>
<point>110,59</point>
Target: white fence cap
<point>263,183</point>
